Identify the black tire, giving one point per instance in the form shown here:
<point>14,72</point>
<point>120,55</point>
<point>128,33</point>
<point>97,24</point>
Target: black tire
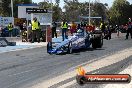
<point>70,50</point>
<point>100,43</point>
<point>94,45</point>
<point>49,47</point>
<point>97,42</point>
<point>94,42</point>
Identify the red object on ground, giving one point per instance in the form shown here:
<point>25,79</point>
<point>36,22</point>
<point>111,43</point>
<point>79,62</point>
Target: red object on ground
<point>49,34</point>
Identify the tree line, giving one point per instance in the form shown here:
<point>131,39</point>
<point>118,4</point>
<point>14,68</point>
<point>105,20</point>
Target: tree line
<point>5,9</point>
<point>119,13</point>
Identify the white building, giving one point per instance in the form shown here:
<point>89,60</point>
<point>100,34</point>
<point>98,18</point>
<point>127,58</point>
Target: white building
<point>44,17</point>
<point>22,10</point>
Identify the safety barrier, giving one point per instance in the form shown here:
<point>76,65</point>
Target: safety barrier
<point>4,42</point>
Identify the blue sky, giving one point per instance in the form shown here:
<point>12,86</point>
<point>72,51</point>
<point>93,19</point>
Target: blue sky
<point>62,3</point>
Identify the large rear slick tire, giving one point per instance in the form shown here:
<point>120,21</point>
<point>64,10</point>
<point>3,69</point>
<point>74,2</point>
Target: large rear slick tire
<point>97,41</point>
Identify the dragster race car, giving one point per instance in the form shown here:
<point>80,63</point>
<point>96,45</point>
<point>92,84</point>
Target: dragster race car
<point>80,39</point>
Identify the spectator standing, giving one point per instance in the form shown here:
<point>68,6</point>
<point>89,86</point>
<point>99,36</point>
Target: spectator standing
<point>73,28</point>
<point>54,26</point>
<point>35,30</point>
<point>129,30</point>
<point>64,27</point>
<point>10,29</point>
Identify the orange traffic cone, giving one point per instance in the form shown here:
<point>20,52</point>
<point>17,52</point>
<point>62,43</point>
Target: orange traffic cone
<point>81,71</point>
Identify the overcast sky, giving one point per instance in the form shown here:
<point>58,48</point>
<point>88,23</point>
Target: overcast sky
<point>62,3</point>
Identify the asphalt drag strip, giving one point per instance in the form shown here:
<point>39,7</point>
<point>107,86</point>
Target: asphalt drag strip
<point>109,64</point>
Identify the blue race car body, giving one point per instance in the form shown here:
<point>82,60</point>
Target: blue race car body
<point>81,39</point>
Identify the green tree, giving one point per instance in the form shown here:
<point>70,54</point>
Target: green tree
<point>45,5</point>
<point>5,9</point>
<point>57,11</point>
<point>6,6</point>
<point>120,12</point>
<point>57,2</point>
<point>99,9</point>
<point>75,9</point>
<point>15,2</point>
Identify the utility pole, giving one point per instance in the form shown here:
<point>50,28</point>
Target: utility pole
<point>12,7</point>
<point>89,12</point>
<point>51,11</point>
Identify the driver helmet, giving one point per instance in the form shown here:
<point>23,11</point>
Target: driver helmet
<point>79,31</point>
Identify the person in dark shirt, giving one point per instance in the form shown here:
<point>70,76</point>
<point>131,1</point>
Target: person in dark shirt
<point>129,30</point>
<point>54,25</point>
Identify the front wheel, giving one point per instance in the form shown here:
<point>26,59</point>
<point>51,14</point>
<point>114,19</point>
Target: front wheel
<point>70,50</point>
<point>49,46</point>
